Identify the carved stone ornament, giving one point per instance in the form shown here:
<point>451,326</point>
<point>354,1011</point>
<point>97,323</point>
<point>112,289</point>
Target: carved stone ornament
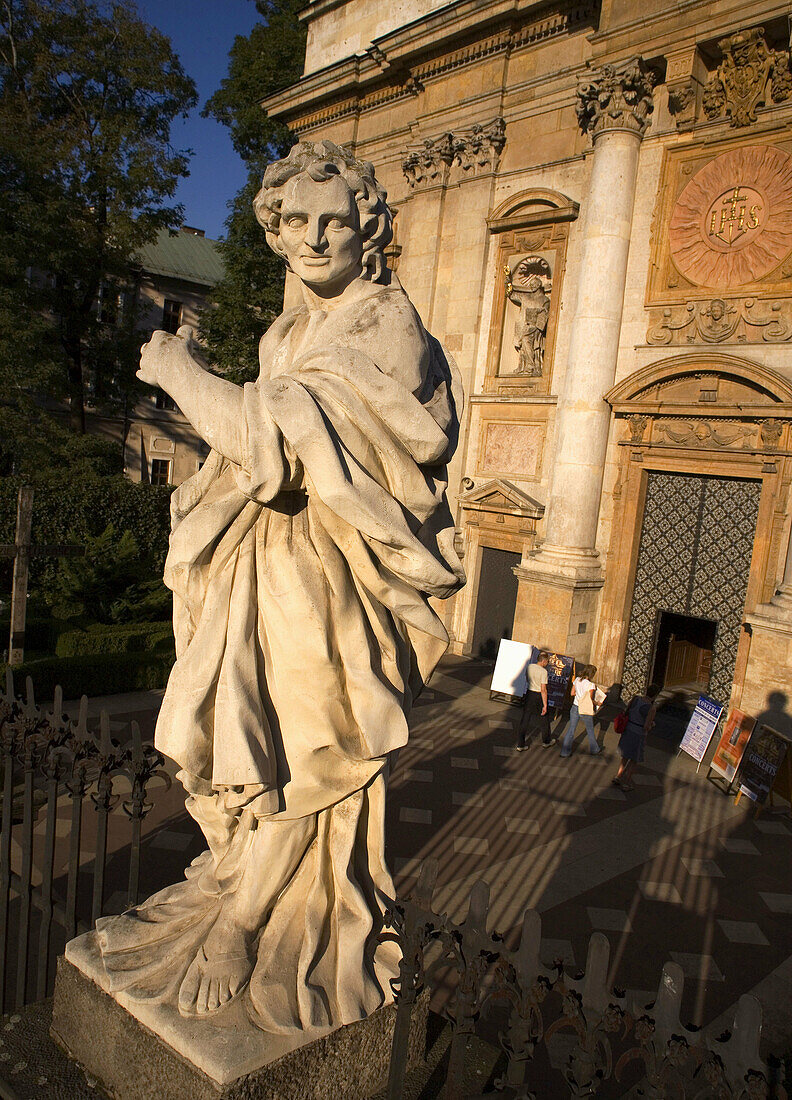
<point>474,150</point>
<point>616,99</point>
<point>638,425</point>
<point>718,321</point>
<point>528,287</point>
<point>770,434</point>
<point>699,433</point>
<point>682,103</point>
<point>749,75</point>
<point>732,222</point>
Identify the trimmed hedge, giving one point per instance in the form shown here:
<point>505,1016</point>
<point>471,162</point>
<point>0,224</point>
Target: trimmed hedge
<point>93,675</point>
<point>101,640</point>
<point>41,632</point>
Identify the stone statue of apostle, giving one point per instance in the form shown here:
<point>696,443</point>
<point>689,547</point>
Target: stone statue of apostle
<point>301,560</point>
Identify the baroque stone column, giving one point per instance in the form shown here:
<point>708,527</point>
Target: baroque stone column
<point>613,106</point>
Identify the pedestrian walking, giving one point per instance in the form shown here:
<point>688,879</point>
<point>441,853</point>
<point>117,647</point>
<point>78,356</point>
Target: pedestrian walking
<point>640,715</point>
<point>584,708</point>
<point>535,715</point>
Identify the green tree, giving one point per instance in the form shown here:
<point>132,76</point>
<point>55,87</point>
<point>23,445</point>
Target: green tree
<point>88,93</point>
<point>251,294</point>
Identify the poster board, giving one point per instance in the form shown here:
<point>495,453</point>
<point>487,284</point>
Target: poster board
<point>509,677</point>
<point>703,723</point>
<point>559,676</point>
<point>761,763</point>
<point>733,741</point>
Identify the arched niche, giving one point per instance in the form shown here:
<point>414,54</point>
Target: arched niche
<point>535,206</point>
<point>530,231</point>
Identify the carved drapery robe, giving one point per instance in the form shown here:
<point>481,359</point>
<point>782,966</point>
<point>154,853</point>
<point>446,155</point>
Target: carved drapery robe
<point>304,632</point>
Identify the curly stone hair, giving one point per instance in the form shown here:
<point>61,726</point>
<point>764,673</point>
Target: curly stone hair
<point>321,161</point>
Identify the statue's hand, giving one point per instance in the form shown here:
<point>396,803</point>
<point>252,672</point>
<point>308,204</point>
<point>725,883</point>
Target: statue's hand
<point>163,355</point>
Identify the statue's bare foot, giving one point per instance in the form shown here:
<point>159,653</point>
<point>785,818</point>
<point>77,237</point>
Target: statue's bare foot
<point>214,978</point>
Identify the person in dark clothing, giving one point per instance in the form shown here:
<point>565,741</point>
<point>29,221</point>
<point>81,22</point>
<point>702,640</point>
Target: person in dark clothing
<point>640,719</point>
<point>535,714</point>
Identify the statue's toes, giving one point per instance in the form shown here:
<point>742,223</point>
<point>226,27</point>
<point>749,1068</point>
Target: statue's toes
<point>211,983</point>
<point>212,1000</point>
<point>191,985</point>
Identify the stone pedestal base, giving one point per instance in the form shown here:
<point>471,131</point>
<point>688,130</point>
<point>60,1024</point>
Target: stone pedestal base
<point>221,1058</point>
<point>557,604</point>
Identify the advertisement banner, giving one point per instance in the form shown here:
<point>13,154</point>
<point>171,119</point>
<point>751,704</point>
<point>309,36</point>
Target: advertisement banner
<point>559,677</point>
<point>700,728</point>
<point>736,735</point>
<point>509,677</point>
<point>760,763</point>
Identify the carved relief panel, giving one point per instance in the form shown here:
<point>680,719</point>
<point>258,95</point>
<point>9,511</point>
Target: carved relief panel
<point>531,239</point>
<point>511,448</point>
<point>723,237</point>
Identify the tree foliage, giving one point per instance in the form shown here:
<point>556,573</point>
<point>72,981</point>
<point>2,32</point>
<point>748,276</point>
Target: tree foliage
<point>250,296</point>
<point>88,93</point>
<point>79,510</point>
<point>105,585</point>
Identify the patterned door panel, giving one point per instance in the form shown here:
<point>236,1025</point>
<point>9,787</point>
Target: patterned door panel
<point>694,559</point>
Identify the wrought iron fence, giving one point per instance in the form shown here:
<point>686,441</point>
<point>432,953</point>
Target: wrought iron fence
<point>617,1046</point>
<point>53,770</point>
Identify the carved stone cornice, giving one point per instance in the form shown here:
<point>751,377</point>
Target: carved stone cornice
<point>474,150</point>
<point>719,321</point>
<point>749,76</point>
<point>409,57</point>
<point>616,98</point>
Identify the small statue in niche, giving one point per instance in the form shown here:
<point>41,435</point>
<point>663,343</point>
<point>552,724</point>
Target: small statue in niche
<point>528,286</point>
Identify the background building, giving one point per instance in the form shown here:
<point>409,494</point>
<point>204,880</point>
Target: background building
<point>178,271</point>
<point>595,217</point>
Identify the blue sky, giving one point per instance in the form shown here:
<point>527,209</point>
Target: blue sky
<point>202,32</point>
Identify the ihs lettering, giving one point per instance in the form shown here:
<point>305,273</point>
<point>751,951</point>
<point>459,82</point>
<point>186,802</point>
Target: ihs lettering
<point>734,218</point>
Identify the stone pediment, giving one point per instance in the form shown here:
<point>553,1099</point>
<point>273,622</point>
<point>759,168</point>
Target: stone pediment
<point>725,385</point>
<point>499,495</point>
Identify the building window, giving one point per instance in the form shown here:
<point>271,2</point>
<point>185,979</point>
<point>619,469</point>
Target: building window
<point>171,315</point>
<point>111,304</point>
<point>160,471</point>
<point>165,401</point>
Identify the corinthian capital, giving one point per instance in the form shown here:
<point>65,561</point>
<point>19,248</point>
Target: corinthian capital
<point>614,98</point>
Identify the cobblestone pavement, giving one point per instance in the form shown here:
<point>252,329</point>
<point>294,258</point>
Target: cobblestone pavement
<point>672,870</point>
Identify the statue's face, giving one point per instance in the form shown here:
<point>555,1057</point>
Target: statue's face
<point>320,233</point>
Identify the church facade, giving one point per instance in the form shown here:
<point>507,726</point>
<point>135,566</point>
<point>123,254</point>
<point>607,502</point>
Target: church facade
<point>594,206</point>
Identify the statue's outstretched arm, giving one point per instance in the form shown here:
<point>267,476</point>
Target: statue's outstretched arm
<point>213,406</point>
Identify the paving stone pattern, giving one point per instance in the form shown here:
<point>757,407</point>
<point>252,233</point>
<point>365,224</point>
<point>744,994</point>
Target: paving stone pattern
<point>671,870</point>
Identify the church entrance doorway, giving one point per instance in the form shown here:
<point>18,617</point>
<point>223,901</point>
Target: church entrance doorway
<point>497,599</point>
<point>694,559</point>
<point>683,651</point>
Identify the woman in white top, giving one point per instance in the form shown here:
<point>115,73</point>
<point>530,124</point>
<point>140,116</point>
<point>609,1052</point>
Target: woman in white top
<point>583,706</point>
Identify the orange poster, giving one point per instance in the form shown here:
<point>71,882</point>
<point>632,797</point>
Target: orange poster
<point>736,735</point>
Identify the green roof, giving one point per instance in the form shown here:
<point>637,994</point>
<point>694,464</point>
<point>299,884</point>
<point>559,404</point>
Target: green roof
<point>183,256</point>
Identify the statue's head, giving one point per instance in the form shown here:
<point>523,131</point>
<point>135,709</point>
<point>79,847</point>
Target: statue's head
<point>325,214</point>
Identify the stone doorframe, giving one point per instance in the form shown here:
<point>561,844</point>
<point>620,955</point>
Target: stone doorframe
<point>708,414</point>
<point>498,515</point>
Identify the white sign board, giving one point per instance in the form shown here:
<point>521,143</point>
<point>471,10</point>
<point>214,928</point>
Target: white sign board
<point>700,728</point>
<point>509,676</point>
